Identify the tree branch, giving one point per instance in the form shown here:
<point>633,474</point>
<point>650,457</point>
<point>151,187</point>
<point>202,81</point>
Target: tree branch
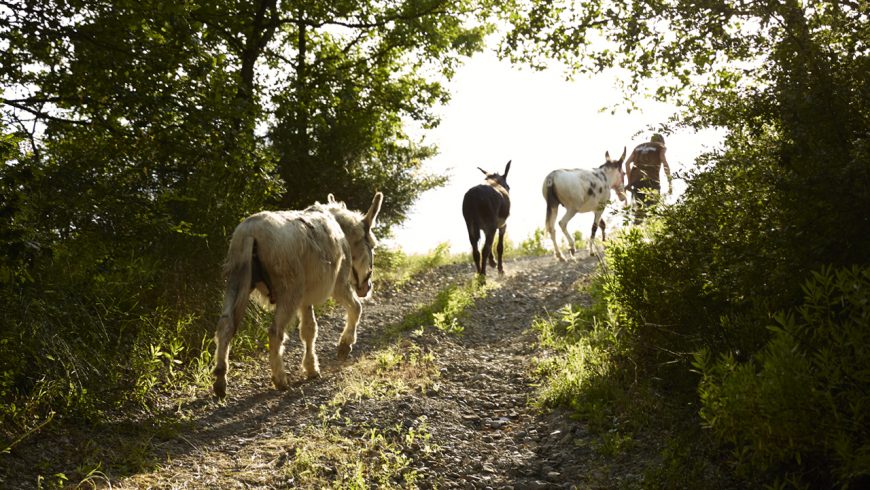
<point>435,10</point>
<point>41,114</point>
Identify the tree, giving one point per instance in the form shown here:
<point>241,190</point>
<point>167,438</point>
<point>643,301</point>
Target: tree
<point>359,71</point>
<point>136,135</point>
<point>790,75</point>
<point>331,84</point>
<point>784,198</point>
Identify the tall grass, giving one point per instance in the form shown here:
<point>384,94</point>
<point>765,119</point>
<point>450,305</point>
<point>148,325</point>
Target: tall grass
<point>589,368</point>
<point>585,371</point>
<point>447,311</point>
<point>397,267</point>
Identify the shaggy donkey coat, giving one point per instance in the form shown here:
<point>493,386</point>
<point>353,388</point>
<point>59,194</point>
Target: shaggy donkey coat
<point>295,260</point>
<point>581,191</point>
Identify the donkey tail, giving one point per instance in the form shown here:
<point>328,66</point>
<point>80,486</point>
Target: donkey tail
<point>239,269</point>
<point>552,199</point>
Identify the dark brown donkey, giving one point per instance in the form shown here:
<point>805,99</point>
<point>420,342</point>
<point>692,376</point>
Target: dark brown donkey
<point>486,207</point>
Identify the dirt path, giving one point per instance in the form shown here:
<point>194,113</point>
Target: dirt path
<point>496,439</point>
<point>422,407</point>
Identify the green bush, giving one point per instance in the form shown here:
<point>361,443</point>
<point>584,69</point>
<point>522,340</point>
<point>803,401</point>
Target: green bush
<point>799,411</point>
<point>707,271</point>
<point>395,266</point>
<point>533,245</point>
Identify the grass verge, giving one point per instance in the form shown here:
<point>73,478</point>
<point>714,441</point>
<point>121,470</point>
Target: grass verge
<point>446,312</point>
<point>588,370</point>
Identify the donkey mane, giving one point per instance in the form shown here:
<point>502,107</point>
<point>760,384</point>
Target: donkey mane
<point>497,181</point>
<point>351,221</point>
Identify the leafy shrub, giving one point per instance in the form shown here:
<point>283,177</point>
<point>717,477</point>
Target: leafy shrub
<point>707,271</point>
<point>396,266</point>
<point>799,411</point>
<point>706,274</point>
<point>533,245</point>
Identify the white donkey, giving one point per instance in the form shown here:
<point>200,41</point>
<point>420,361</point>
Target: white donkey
<point>295,260</point>
<point>582,191</point>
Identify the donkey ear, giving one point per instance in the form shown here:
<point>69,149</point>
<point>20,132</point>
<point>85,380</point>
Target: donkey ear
<point>507,168</point>
<point>484,171</point>
<point>374,209</point>
<point>622,158</point>
<point>607,156</point>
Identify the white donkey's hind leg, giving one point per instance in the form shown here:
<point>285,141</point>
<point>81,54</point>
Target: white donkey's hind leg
<point>308,334</point>
<point>551,229</point>
<point>354,309</point>
<point>283,314</point>
<point>563,223</point>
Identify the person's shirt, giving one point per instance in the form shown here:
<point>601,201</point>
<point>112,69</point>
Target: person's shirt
<point>647,159</point>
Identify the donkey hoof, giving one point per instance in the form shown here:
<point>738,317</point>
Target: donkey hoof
<point>280,382</point>
<point>312,374</point>
<point>344,351</point>
<point>220,388</point>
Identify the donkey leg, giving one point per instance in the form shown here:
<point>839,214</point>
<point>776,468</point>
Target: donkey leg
<point>283,315</point>
<point>500,249</point>
<point>563,224</point>
<point>308,334</point>
<point>487,250</point>
<point>595,222</point>
<point>225,331</point>
<point>492,254</point>
<point>474,237</point>
<point>550,225</point>
<point>348,335</point>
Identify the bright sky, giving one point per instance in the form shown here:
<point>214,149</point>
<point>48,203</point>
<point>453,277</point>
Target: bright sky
<point>539,121</point>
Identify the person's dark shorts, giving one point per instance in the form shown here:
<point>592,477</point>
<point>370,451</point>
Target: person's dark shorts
<point>646,191</point>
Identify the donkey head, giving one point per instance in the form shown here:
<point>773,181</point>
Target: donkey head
<point>615,170</point>
<point>495,178</point>
<point>362,245</point>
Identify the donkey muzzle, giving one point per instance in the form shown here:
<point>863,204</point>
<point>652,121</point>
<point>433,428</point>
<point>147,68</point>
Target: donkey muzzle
<point>363,290</point>
<point>362,286</point>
